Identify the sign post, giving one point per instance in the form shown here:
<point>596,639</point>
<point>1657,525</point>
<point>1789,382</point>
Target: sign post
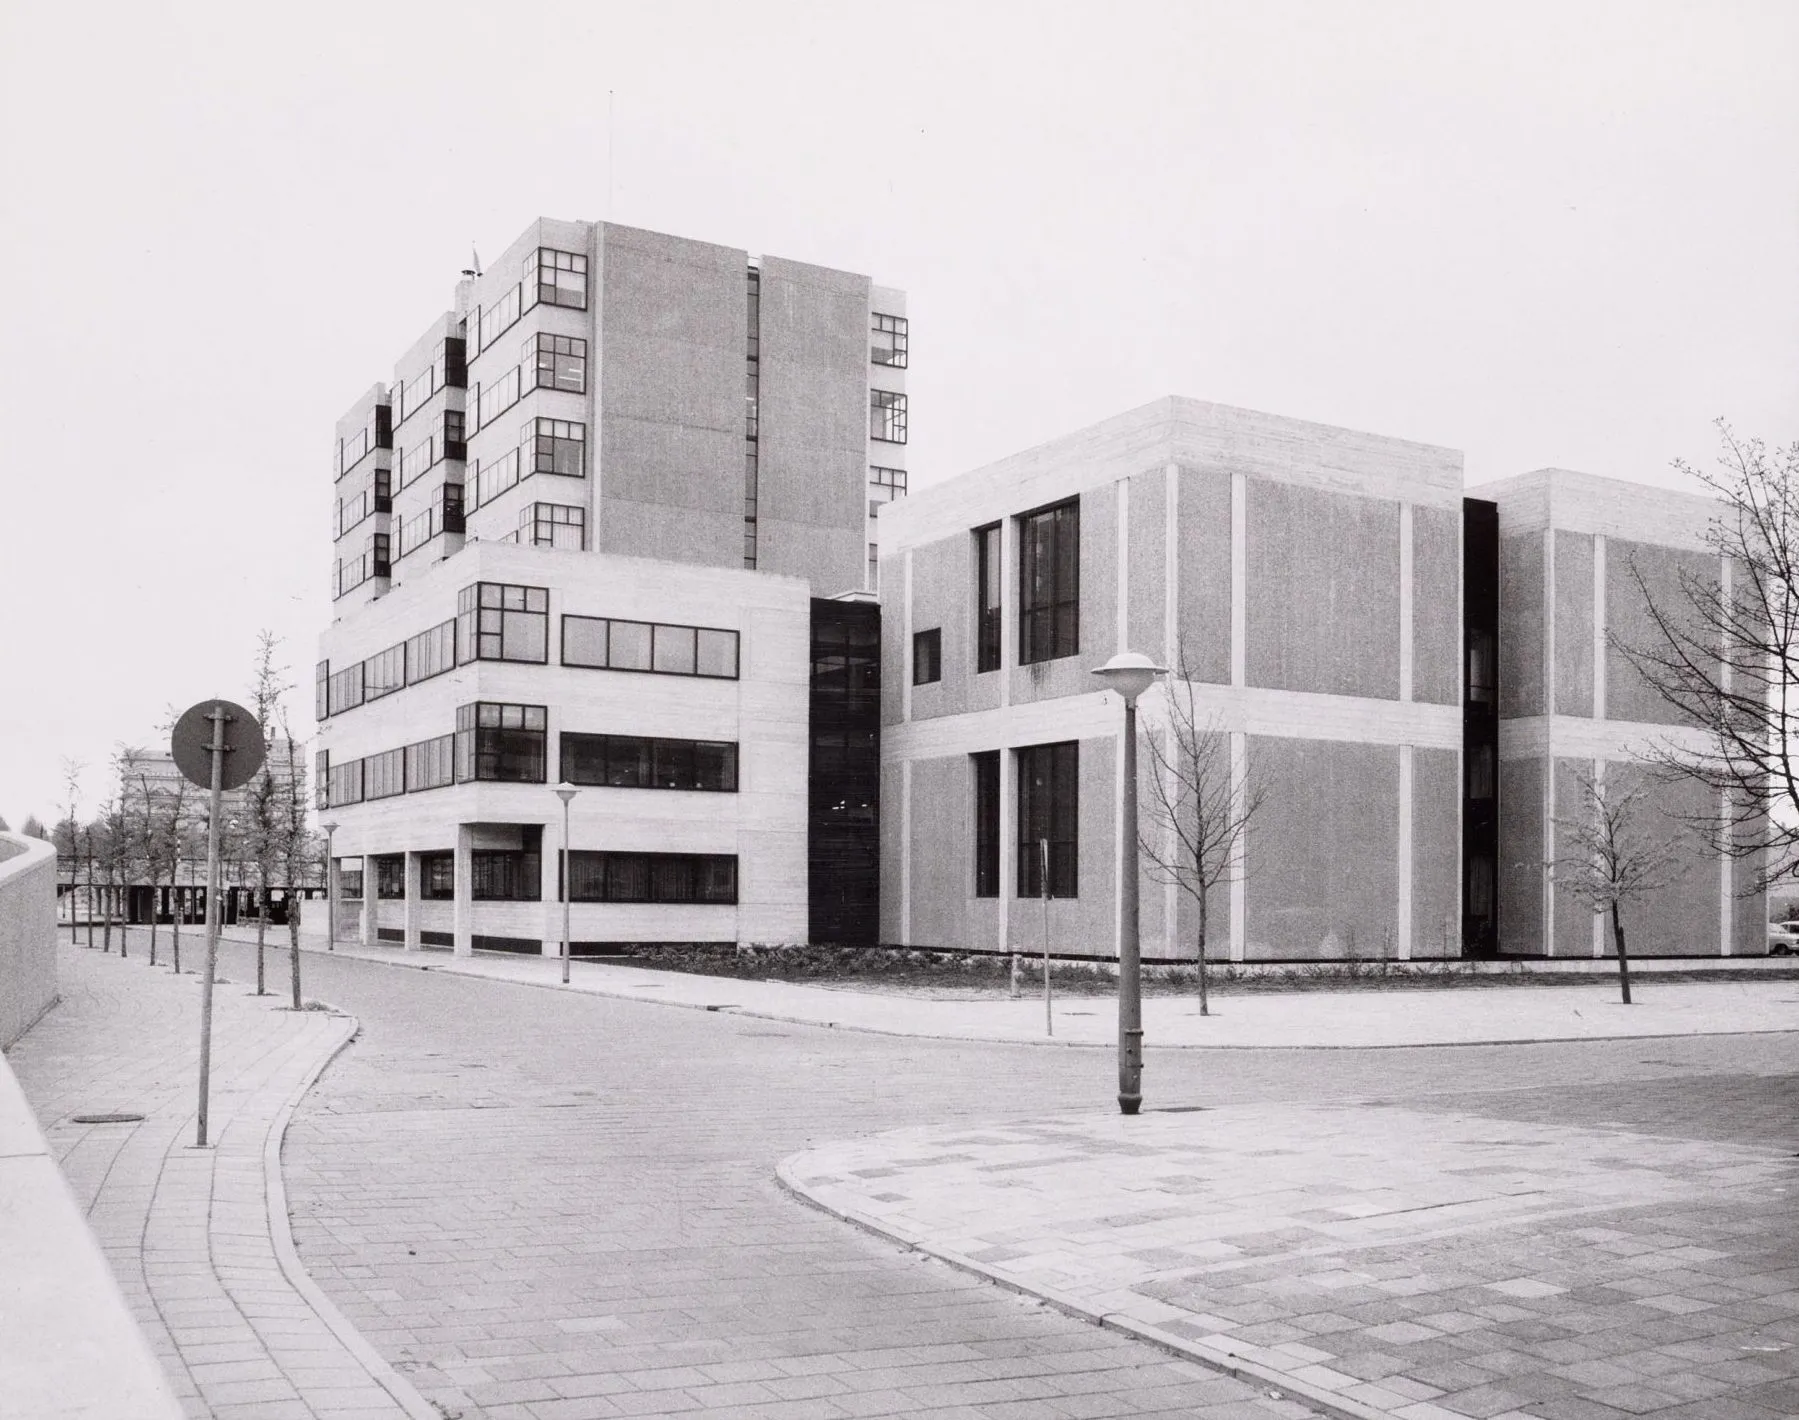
<point>218,746</point>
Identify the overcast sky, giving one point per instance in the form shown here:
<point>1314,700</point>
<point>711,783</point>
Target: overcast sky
<point>1558,234</point>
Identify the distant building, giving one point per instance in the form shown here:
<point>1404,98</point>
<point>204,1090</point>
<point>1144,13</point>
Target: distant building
<point>611,523</point>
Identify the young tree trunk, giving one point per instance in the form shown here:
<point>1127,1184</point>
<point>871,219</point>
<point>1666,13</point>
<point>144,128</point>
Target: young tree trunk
<point>90,901</point>
<point>262,926</point>
<point>1623,960</point>
<point>175,924</point>
<point>154,886</point>
<point>1205,1008</point>
<point>124,913</point>
<point>293,940</point>
<point>106,916</point>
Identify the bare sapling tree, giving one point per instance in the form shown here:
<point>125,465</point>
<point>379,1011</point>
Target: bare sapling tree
<point>71,831</point>
<point>1198,810</point>
<point>176,841</point>
<point>295,844</point>
<point>1722,650</point>
<point>264,821</point>
<point>1615,854</point>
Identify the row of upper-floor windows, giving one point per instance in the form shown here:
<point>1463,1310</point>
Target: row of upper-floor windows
<point>377,432</point>
<point>502,621</point>
<point>497,742</point>
<point>550,278</point>
<point>448,369</point>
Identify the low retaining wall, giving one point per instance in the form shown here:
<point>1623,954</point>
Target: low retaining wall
<point>27,933</point>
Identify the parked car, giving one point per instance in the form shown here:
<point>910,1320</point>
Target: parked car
<point>1783,939</point>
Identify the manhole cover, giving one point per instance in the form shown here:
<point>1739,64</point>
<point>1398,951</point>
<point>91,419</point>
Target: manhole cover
<point>108,1118</point>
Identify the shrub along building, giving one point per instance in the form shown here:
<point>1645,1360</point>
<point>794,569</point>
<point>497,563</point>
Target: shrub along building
<point>611,524</point>
<point>1396,667</point>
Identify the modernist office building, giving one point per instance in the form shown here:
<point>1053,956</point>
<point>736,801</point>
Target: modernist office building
<point>1408,676</point>
<point>610,523</point>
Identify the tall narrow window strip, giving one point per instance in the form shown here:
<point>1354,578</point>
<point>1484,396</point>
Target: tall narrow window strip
<point>986,823</point>
<point>752,420</point>
<point>927,656</point>
<point>1049,811</point>
<point>1049,584</point>
<point>988,598</point>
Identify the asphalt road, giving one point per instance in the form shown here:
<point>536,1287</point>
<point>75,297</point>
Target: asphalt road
<point>547,1206</point>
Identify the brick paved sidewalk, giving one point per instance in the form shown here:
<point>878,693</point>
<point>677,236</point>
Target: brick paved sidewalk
<point>198,1239</point>
<point>1385,1261</point>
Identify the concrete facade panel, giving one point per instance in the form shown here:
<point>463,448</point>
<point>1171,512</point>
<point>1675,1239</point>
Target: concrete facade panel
<point>1749,906</point>
<point>812,499</point>
<point>893,838</point>
<point>943,598</point>
<point>1573,600</point>
<point>1573,918</point>
<point>1323,851</point>
<point>1436,605</point>
<point>1069,675</point>
<point>1521,649</point>
<point>1322,591</point>
<point>1521,798</point>
<point>1203,578</point>
<point>1146,625</point>
<point>942,851</point>
<point>1628,695</point>
<point>1436,853</point>
<point>1679,917</point>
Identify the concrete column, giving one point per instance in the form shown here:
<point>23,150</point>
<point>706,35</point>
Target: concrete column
<point>370,903</point>
<point>905,810</point>
<point>463,919</point>
<point>1239,885</point>
<point>1403,946</point>
<point>414,889</point>
<point>1239,578</point>
<point>1406,585</point>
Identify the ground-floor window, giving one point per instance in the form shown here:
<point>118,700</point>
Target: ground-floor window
<point>505,875</point>
<point>986,823</point>
<point>390,876</point>
<point>437,876</point>
<point>1049,811</point>
<point>653,877</point>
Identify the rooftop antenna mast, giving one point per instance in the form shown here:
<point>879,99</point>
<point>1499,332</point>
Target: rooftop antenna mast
<point>474,262</point>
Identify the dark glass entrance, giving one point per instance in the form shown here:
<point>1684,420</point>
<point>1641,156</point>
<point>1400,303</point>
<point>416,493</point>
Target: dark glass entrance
<point>1480,728</point>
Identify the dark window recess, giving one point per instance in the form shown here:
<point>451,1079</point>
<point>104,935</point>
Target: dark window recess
<point>1049,583</point>
<point>500,742</point>
<point>653,877</point>
<point>384,426</point>
<point>640,762</point>
<point>988,598</point>
<point>1480,728</point>
<point>509,874</point>
<point>1049,810</point>
<point>429,938</point>
<point>927,656</point>
<point>437,878</point>
<point>349,882</point>
<point>453,519</point>
<point>517,946</point>
<point>456,363</point>
<point>844,780</point>
<point>986,823</point>
<point>380,560</point>
<point>455,440</point>
<point>384,490</point>
<point>390,876</point>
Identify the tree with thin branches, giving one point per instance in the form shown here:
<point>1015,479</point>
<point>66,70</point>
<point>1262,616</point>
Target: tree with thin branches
<point>69,831</point>
<point>265,824</point>
<point>1197,810</point>
<point>1722,651</point>
<point>1614,855</point>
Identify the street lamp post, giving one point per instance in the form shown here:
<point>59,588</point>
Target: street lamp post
<point>565,791</point>
<point>1130,673</point>
<point>330,889</point>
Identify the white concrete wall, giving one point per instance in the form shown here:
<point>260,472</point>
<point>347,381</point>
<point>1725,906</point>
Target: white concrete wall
<point>27,933</point>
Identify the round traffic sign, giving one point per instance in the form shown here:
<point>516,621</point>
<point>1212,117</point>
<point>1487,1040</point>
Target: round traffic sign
<point>191,744</point>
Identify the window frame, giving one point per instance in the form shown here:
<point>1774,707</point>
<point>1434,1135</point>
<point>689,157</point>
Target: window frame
<point>650,753</point>
<point>887,416</point>
<point>927,656</point>
<point>895,355</point>
<point>985,767</point>
<point>612,868</point>
<point>1049,598</point>
<point>651,669</point>
<point>1048,790</point>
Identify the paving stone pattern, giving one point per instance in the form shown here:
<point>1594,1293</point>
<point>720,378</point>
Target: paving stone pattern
<point>186,1230</point>
<point>1423,1263</point>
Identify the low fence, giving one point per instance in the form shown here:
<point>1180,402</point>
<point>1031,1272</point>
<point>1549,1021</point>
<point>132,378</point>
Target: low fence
<point>27,933</point>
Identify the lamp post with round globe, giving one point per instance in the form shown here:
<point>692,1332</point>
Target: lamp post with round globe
<point>330,889</point>
<point>1130,673</point>
<point>565,791</point>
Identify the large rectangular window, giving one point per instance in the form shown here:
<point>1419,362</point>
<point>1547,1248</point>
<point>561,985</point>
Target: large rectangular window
<point>1049,583</point>
<point>501,742</point>
<point>437,876</point>
<point>1049,811</point>
<point>505,875</point>
<point>561,278</point>
<point>497,621</point>
<point>561,363</point>
<point>344,785</point>
<point>556,446</point>
<point>986,823</point>
<point>431,764</point>
<point>384,672</point>
<point>887,341</point>
<point>431,653</point>
<point>887,416</point>
<point>321,691</point>
<point>344,690</point>
<point>988,598</point>
<point>390,876</point>
<point>600,643</point>
<point>641,762</point>
<point>384,774</point>
<point>553,525</point>
<point>653,877</point>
